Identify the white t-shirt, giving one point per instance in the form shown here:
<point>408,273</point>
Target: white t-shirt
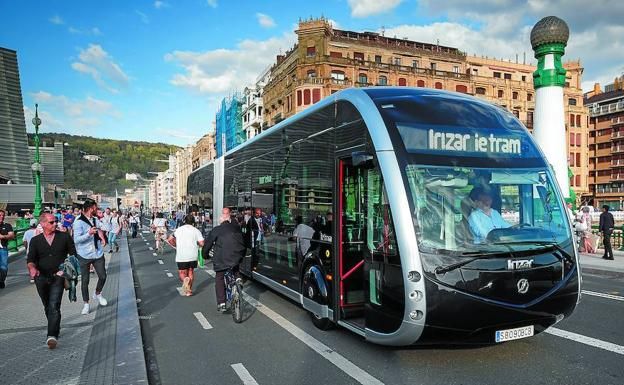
<point>187,248</point>
<point>160,222</point>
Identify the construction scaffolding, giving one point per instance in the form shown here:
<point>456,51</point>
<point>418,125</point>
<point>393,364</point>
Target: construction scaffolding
<point>229,128</point>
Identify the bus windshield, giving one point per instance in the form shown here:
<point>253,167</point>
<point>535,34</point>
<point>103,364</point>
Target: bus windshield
<point>463,210</point>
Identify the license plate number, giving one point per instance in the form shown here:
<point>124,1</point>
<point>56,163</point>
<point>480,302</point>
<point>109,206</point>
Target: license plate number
<point>514,334</point>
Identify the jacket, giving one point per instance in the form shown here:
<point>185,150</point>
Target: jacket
<point>606,222</point>
<point>71,271</point>
<point>87,246</point>
<point>229,246</point>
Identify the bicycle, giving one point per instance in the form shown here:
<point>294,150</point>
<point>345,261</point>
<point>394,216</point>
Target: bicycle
<point>234,295</point>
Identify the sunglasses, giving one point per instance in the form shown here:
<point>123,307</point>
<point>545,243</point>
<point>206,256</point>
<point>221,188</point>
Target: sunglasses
<point>54,221</point>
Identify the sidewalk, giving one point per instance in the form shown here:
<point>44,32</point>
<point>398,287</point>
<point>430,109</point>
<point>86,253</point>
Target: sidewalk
<point>594,264</point>
<point>103,347</point>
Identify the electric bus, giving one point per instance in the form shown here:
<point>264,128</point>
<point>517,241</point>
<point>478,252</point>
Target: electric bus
<point>406,215</point>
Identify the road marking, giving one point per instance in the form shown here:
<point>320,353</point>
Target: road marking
<point>169,275</point>
<point>180,291</point>
<point>160,261</point>
<point>154,254</point>
<point>325,351</point>
<point>603,295</point>
<point>244,375</point>
<point>151,248</point>
<point>202,320</point>
<point>586,340</point>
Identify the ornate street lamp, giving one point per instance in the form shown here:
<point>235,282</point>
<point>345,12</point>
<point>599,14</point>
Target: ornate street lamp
<point>37,167</point>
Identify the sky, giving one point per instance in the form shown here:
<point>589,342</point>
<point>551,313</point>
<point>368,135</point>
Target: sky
<point>156,70</point>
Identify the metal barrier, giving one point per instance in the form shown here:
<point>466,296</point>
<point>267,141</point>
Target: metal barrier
<point>617,237</point>
<point>15,243</point>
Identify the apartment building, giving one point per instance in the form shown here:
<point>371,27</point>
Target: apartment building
<point>326,60</point>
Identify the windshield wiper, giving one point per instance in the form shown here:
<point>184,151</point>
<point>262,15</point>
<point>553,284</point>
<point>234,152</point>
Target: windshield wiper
<point>454,266</point>
<point>548,244</point>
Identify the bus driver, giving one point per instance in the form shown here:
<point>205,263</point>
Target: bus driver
<point>484,218</point>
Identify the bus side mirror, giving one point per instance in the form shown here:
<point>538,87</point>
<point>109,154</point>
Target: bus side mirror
<point>359,158</point>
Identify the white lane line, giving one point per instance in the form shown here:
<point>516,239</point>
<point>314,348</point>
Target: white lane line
<point>180,291</point>
<point>202,320</point>
<point>151,248</point>
<point>169,275</point>
<point>603,295</point>
<point>154,254</point>
<point>244,375</point>
<point>325,351</point>
<point>160,261</point>
<point>586,340</point>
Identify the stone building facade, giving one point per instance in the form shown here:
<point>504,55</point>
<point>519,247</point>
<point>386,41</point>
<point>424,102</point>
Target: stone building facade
<point>326,60</point>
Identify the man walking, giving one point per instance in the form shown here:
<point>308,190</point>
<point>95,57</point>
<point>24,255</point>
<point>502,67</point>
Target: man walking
<point>90,242</point>
<point>606,228</point>
<point>6,234</point>
<point>46,252</point>
<point>115,230</point>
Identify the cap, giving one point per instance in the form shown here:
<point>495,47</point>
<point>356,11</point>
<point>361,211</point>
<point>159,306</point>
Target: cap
<point>33,222</point>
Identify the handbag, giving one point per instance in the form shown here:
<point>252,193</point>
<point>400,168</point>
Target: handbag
<point>200,258</point>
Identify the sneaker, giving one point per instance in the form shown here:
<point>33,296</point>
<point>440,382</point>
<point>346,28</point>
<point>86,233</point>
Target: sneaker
<point>185,284</point>
<point>221,308</point>
<point>85,309</point>
<point>32,281</point>
<point>101,300</point>
<point>51,341</point>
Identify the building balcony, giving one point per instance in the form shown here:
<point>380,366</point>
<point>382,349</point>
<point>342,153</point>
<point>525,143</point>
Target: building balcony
<point>617,121</point>
<point>606,109</point>
<point>617,177</point>
<point>617,163</point>
<point>615,149</point>
<point>605,151</point>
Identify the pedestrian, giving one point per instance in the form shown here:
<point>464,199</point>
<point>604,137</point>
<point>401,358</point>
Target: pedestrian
<point>46,253</point>
<point>28,235</point>
<point>134,223</point>
<point>115,230</point>
<point>90,243</point>
<point>6,234</point>
<point>106,219</point>
<point>229,250</point>
<point>606,228</point>
<point>187,239</point>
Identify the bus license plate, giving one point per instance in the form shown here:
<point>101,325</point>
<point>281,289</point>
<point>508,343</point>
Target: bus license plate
<point>514,334</point>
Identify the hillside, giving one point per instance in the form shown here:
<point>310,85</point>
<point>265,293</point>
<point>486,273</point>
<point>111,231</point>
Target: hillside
<point>117,157</point>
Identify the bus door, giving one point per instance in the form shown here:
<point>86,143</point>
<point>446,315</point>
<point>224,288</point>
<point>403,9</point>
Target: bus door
<point>370,286</point>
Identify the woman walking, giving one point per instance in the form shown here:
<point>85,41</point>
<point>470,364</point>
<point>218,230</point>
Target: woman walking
<point>188,241</point>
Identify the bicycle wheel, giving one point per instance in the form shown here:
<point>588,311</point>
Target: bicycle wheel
<point>237,304</point>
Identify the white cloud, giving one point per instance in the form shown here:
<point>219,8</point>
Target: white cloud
<point>364,8</point>
<point>144,17</point>
<point>223,70</point>
<point>212,3</point>
<point>160,4</point>
<point>62,114</point>
<point>56,19</point>
<point>96,62</point>
<point>96,31</point>
<point>265,21</point>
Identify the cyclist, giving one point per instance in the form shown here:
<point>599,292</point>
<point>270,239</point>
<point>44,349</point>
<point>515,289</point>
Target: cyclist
<point>160,227</point>
<point>229,250</point>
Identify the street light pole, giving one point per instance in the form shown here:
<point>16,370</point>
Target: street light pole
<point>36,167</point>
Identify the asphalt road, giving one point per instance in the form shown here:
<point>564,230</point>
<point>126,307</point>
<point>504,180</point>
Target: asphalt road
<point>188,342</point>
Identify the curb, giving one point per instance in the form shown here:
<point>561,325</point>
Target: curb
<point>603,272</point>
<point>130,365</point>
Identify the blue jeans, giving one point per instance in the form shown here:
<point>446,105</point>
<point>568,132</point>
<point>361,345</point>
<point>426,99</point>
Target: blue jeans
<point>4,259</point>
<point>112,239</point>
<point>50,289</point>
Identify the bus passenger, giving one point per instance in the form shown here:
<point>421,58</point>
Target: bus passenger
<point>484,218</point>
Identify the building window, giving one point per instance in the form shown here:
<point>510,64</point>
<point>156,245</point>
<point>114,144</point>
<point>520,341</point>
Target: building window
<point>578,120</point>
<point>530,119</point>
<point>402,82</point>
<point>397,61</point>
<point>438,85</point>
<point>456,69</point>
<point>475,72</point>
<point>571,120</point>
<point>516,114</point>
<point>571,159</point>
<point>338,77</point>
<point>363,79</point>
<point>480,91</point>
<point>578,160</point>
<point>306,97</point>
<point>383,81</point>
<point>529,97</point>
<point>508,76</point>
<point>578,180</point>
<point>523,78</point>
<point>572,101</point>
<point>433,66</point>
<point>461,88</point>
<point>415,63</point>
<point>578,140</point>
<point>316,95</point>
<point>311,74</point>
<point>420,83</point>
<point>358,56</point>
<point>567,84</point>
<point>497,75</point>
<point>514,95</point>
<point>335,54</point>
<point>378,59</point>
<point>311,51</point>
<point>501,93</point>
<point>571,139</point>
<point>299,99</point>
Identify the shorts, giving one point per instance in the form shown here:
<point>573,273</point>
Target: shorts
<point>187,265</point>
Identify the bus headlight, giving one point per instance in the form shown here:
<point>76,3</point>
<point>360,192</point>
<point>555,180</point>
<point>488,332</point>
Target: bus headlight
<point>413,276</point>
<point>416,315</point>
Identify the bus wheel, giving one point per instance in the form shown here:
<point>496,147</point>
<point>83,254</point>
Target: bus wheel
<point>311,292</point>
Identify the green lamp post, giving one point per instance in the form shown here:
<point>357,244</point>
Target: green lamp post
<point>37,167</point>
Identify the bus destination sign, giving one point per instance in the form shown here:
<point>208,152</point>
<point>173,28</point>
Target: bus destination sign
<point>462,142</point>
